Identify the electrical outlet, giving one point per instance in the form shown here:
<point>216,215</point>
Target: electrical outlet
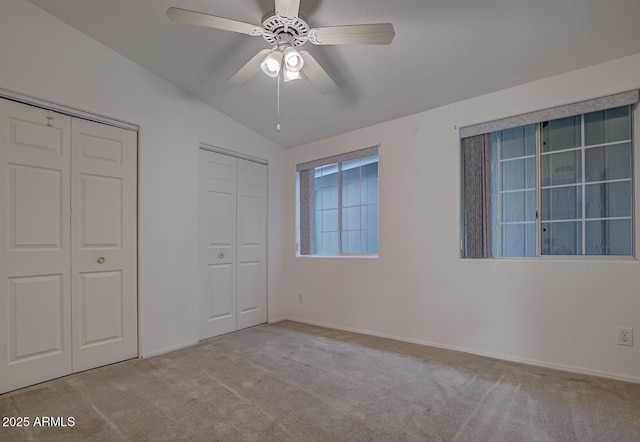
<point>300,298</point>
<point>625,336</point>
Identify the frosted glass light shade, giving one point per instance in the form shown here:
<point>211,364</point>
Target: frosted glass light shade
<point>293,60</point>
<point>271,64</point>
<point>288,75</point>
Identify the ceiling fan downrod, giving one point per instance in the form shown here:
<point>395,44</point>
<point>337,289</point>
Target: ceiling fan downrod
<point>278,104</point>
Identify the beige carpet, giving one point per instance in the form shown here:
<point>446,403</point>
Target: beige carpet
<point>295,382</point>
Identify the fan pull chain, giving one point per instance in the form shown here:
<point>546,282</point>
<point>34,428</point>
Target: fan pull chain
<point>278,122</point>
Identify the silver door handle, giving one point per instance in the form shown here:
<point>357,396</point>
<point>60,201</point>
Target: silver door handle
<point>221,255</point>
<point>101,260</point>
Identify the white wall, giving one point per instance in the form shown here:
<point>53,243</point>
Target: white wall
<point>559,313</point>
<point>43,57</point>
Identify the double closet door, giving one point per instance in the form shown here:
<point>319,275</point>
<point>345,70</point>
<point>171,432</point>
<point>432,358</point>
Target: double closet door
<point>68,297</point>
<point>233,248</point>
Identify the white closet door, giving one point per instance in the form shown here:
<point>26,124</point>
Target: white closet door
<point>252,244</point>
<point>103,222</point>
<point>35,296</point>
<point>217,261</point>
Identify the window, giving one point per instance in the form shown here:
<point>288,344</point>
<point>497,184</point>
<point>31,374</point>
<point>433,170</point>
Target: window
<point>586,189</point>
<point>339,204</point>
<point>561,186</point>
<point>513,191</point>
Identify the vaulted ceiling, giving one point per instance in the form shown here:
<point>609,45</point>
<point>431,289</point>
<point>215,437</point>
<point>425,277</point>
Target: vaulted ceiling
<point>444,51</point>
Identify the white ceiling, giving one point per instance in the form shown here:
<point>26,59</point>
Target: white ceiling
<point>444,51</point>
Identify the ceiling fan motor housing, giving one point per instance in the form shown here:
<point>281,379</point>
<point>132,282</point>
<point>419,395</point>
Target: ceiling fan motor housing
<point>278,29</point>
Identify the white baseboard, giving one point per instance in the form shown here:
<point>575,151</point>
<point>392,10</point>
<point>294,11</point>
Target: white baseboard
<point>161,351</point>
<point>562,367</point>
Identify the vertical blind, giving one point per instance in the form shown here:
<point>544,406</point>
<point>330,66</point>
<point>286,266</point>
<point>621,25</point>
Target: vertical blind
<point>477,196</point>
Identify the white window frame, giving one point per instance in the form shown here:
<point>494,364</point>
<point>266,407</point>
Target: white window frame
<point>303,227</point>
<point>580,108</point>
<point>582,148</point>
<point>536,157</point>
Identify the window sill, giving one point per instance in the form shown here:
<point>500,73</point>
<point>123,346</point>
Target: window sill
<point>337,256</point>
<point>572,258</point>
<point>587,258</point>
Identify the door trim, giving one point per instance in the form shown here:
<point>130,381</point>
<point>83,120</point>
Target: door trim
<point>233,154</point>
<point>65,110</point>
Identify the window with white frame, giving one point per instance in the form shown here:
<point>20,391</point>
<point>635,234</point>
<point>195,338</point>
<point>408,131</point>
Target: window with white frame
<point>513,191</point>
<point>339,204</point>
<point>559,186</point>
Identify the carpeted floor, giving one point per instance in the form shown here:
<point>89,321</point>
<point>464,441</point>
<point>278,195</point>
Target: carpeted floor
<point>296,382</point>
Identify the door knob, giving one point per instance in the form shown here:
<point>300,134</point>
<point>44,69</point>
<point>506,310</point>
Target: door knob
<point>101,260</point>
<point>221,255</point>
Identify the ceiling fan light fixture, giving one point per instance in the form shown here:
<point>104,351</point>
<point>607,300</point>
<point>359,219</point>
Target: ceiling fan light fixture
<point>285,29</point>
<point>271,64</point>
<point>293,60</point>
<point>291,75</point>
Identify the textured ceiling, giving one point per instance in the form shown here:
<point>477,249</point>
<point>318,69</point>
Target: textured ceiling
<point>444,51</point>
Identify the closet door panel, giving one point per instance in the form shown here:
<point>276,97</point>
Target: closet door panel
<point>103,222</point>
<point>252,244</point>
<point>217,260</point>
<point>35,295</point>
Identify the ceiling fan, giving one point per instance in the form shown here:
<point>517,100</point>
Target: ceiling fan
<point>286,29</point>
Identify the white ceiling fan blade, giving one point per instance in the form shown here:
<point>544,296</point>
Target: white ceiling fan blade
<point>211,21</point>
<point>250,69</point>
<point>316,75</point>
<point>288,8</point>
<point>373,34</point>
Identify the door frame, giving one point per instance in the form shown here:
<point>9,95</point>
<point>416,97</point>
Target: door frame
<point>65,110</point>
<point>101,119</point>
<point>231,153</point>
<point>247,157</point>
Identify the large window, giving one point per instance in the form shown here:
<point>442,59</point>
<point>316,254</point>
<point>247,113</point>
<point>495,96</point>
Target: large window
<point>339,205</point>
<point>587,198</point>
<point>561,186</point>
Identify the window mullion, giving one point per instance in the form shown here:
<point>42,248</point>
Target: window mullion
<point>584,198</point>
<point>633,126</point>
<point>500,196</point>
<point>538,189</point>
<point>339,208</point>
